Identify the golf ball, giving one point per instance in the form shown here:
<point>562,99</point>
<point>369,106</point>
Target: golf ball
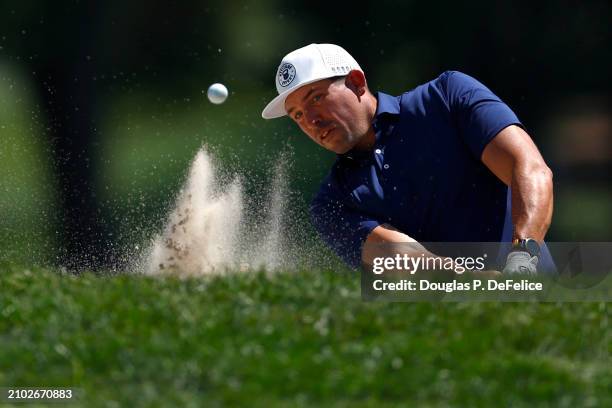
<point>217,93</point>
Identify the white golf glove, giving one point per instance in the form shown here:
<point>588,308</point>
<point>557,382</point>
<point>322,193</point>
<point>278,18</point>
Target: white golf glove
<point>522,263</point>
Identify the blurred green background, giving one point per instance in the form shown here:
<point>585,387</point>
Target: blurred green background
<point>103,105</point>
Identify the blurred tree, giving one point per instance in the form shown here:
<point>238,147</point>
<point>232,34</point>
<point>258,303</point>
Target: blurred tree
<point>56,41</point>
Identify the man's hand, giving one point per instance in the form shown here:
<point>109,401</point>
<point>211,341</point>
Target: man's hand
<point>520,262</point>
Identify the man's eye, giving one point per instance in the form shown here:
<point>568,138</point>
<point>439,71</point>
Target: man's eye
<point>298,115</point>
<point>317,98</point>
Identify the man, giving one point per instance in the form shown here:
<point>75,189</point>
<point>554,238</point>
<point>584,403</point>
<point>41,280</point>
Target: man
<point>431,165</point>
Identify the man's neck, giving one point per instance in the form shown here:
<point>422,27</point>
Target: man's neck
<point>368,140</point>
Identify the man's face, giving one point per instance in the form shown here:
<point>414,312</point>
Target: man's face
<point>329,113</point>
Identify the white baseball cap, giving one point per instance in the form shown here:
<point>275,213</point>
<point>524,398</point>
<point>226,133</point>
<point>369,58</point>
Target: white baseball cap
<point>305,66</point>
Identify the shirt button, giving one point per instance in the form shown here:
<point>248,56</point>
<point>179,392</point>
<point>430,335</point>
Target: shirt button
<point>386,166</point>
<point>378,151</point>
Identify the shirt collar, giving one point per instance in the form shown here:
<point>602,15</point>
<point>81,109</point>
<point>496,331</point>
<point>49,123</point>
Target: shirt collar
<point>386,104</point>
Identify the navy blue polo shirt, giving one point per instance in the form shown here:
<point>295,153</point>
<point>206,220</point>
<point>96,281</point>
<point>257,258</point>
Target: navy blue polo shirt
<point>424,175</point>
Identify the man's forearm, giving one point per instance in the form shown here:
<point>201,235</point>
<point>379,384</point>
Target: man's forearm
<point>386,241</point>
<point>532,200</point>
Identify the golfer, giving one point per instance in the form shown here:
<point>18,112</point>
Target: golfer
<point>447,161</point>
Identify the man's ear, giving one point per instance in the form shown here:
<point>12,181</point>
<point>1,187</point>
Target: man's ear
<point>356,82</point>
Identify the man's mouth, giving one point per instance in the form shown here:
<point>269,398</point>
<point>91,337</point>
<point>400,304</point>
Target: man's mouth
<point>326,133</point>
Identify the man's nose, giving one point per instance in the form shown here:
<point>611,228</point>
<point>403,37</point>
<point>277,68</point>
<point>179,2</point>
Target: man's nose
<point>313,118</point>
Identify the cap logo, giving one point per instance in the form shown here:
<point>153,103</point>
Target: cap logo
<point>286,74</point>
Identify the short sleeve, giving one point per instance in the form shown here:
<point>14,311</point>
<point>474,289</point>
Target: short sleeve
<point>343,229</point>
<point>479,113</point>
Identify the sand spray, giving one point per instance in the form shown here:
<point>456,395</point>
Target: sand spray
<point>210,230</point>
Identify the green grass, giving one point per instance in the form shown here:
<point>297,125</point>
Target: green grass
<point>292,339</point>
